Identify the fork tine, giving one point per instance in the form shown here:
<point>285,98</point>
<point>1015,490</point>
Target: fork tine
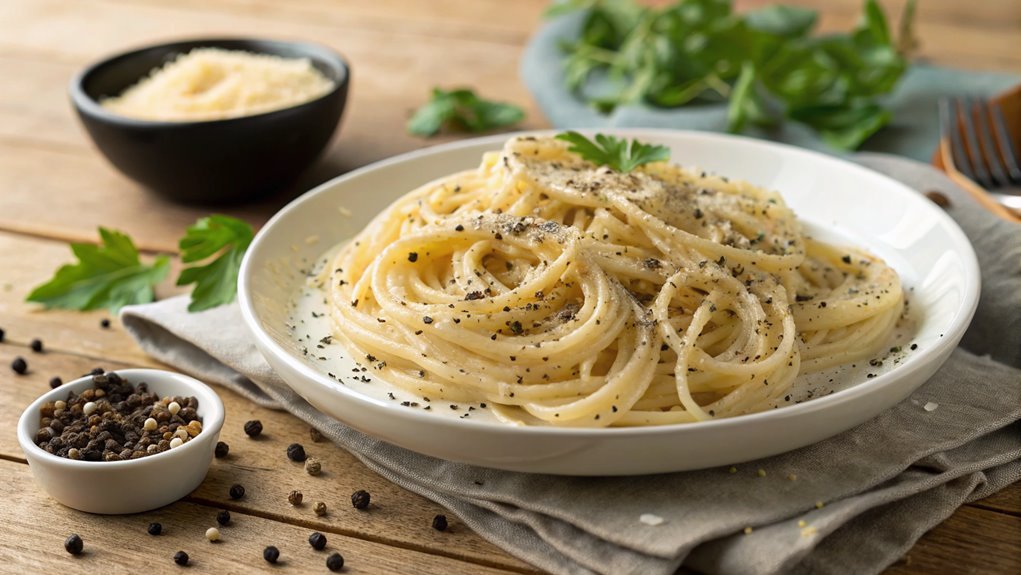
<point>948,126</point>
<point>1006,145</point>
<point>997,169</point>
<point>971,140</point>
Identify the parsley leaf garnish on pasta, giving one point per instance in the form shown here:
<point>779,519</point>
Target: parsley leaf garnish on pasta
<point>616,153</point>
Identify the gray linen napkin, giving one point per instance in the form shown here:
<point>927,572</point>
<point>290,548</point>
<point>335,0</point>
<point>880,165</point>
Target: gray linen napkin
<point>858,502</point>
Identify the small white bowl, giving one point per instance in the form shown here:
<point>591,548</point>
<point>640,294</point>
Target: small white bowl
<point>133,486</point>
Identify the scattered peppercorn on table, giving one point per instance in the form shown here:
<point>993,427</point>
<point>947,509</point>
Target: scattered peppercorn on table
<point>278,497</point>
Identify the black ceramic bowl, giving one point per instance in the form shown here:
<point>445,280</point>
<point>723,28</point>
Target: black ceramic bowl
<point>216,161</point>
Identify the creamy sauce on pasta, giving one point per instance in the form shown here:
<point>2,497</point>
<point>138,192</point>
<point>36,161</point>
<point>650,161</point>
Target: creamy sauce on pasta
<point>555,292</point>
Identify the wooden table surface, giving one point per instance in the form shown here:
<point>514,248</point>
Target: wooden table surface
<point>54,186</point>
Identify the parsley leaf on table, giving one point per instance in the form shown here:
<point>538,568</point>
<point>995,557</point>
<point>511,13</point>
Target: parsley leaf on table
<point>462,109</point>
<point>215,282</point>
<point>765,63</point>
<point>109,275</point>
<point>616,153</point>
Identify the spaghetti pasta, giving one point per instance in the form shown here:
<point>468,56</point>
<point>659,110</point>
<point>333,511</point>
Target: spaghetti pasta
<point>563,293</point>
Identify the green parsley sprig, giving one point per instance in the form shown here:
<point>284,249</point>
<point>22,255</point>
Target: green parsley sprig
<point>109,275</point>
<point>764,63</point>
<point>112,275</point>
<point>462,109</point>
<point>617,153</point>
<point>215,282</point>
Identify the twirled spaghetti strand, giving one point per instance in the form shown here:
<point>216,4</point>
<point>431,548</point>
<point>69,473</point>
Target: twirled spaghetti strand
<point>562,293</point>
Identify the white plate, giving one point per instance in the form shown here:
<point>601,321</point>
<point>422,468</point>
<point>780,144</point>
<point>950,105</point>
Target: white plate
<point>840,200</point>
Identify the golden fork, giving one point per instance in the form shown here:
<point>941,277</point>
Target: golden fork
<point>978,151</point>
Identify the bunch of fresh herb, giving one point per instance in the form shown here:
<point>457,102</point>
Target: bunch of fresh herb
<point>463,110</point>
<point>765,63</point>
<point>112,275</point>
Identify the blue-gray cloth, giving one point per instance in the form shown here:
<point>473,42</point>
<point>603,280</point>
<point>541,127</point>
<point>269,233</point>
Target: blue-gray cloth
<point>913,132</point>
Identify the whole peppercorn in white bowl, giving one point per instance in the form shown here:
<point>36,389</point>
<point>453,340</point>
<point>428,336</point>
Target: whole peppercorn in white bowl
<point>129,485</point>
